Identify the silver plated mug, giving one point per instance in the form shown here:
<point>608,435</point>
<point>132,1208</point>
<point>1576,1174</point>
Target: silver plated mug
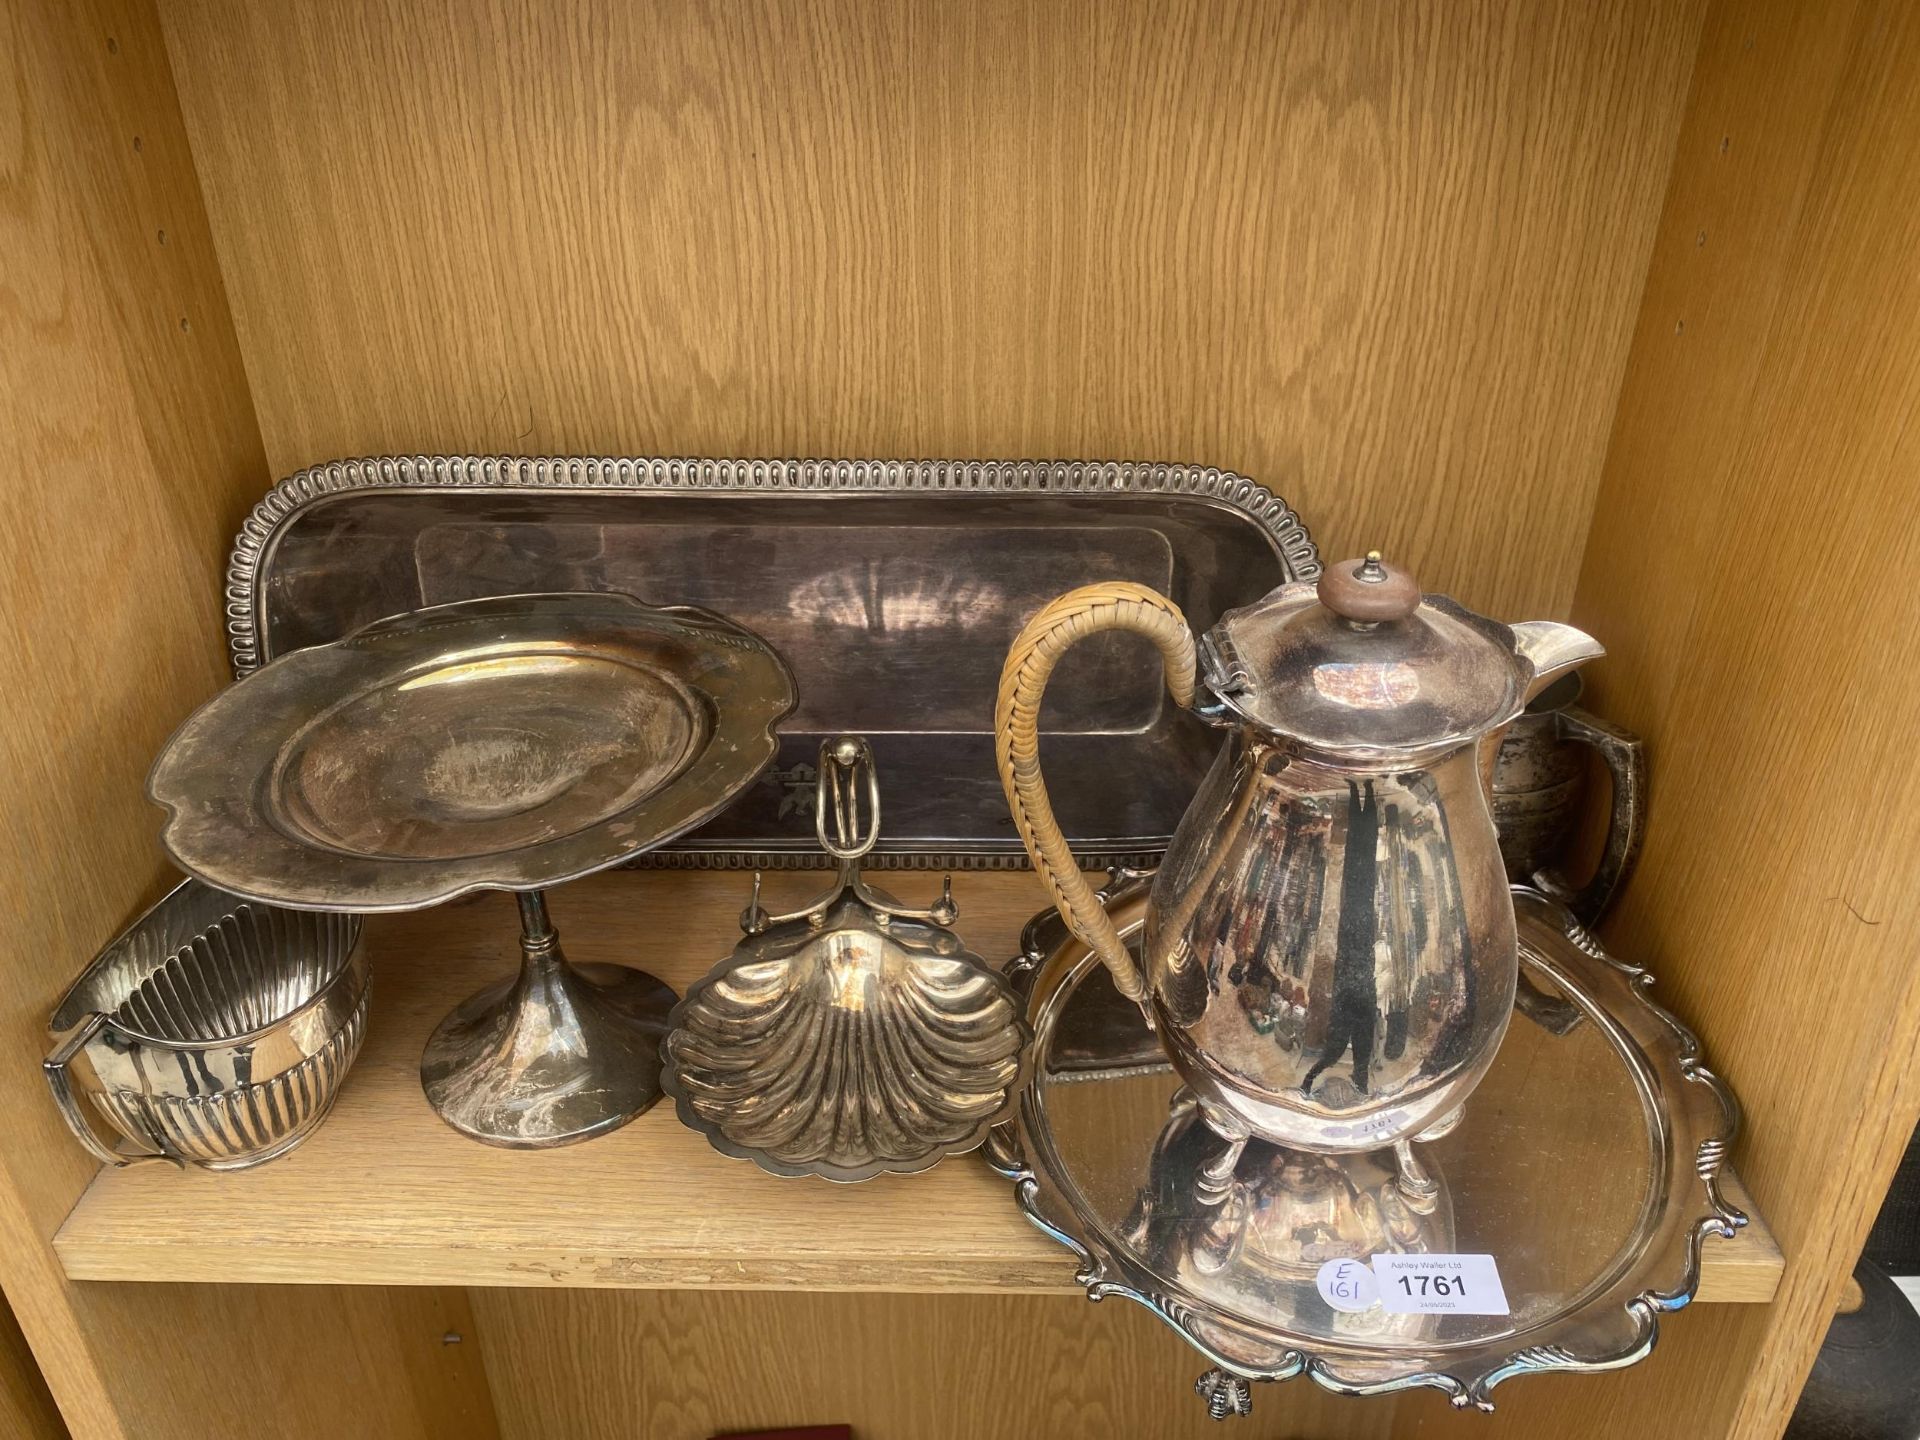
<point>1540,790</point>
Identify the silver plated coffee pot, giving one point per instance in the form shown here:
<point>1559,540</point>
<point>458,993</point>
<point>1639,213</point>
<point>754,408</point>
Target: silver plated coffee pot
<point>1329,955</point>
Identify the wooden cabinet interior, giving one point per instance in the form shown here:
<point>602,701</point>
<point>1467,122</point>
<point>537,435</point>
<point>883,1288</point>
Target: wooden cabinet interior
<point>27,1409</point>
<point>1346,246</point>
<point>1589,309</point>
<point>387,1194</point>
<point>1768,649</point>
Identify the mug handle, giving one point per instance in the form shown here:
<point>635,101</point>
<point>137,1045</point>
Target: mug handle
<point>1114,605</point>
<point>1626,759</point>
<point>54,1067</point>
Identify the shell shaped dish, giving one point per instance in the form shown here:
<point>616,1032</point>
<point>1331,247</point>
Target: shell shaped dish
<point>846,1044</point>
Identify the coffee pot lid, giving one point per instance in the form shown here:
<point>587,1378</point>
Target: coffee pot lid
<point>1362,664</point>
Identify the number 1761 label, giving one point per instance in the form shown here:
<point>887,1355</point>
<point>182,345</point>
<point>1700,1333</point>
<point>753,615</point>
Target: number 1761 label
<point>1439,1285</point>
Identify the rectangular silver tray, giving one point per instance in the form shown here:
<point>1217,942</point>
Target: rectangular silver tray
<point>893,589</point>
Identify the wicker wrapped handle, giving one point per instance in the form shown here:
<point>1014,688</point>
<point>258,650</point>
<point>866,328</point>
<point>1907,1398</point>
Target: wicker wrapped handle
<point>1118,605</point>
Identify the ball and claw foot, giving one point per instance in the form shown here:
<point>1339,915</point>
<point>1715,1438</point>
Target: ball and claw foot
<point>1226,1395</point>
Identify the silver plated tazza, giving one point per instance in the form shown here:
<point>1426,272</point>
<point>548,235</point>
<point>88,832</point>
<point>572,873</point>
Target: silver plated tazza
<point>513,742</point>
<point>507,743</point>
<point>875,579</point>
<point>1588,1168</point>
<point>855,1036</point>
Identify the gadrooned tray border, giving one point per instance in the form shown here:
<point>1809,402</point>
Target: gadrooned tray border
<point>1471,1375</point>
<point>253,545</point>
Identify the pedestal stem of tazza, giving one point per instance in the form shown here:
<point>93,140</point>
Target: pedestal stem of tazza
<point>535,927</point>
<point>559,1053</point>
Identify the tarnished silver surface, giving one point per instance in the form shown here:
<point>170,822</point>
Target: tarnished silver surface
<point>1587,1167</point>
<point>1329,952</point>
<point>559,1053</point>
<point>1257,1251</point>
<point>1540,783</point>
<point>513,743</point>
<point>855,1036</point>
<point>876,580</point>
<point>215,1032</point>
<point>1332,952</point>
<point>505,743</point>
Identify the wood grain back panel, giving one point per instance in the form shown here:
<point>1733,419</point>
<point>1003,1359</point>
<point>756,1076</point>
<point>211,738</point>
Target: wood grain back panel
<point>128,452</point>
<point>896,1367</point>
<point>1383,258</point>
<point>27,1411</point>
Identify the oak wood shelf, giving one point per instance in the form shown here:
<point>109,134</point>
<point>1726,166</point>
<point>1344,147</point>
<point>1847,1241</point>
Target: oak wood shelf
<point>384,1194</point>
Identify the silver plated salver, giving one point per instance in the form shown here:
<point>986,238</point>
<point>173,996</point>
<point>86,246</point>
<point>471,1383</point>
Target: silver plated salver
<point>1588,1168</point>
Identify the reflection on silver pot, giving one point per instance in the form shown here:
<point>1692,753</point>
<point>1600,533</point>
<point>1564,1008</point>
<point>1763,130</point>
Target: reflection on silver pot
<point>1256,1252</point>
<point>1330,958</point>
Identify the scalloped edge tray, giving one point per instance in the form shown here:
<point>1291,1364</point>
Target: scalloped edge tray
<point>1615,1326</point>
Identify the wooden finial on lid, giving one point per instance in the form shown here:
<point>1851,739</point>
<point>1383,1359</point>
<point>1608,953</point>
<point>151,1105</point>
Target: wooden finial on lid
<point>1368,590</point>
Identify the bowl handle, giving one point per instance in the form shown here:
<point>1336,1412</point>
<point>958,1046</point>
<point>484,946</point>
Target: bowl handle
<point>54,1067</point>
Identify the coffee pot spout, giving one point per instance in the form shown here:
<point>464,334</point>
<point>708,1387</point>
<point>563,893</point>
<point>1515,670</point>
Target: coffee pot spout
<point>1553,649</point>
